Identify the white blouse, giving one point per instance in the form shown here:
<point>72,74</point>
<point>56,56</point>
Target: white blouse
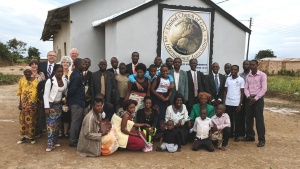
<point>176,116</point>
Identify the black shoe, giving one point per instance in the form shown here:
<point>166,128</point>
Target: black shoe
<point>72,145</point>
<point>158,149</point>
<point>247,139</point>
<point>261,144</point>
<point>236,139</point>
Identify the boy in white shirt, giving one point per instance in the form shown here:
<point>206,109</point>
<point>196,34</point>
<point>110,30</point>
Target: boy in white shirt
<point>202,128</point>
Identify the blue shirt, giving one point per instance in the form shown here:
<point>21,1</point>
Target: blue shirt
<point>147,75</point>
<point>76,89</point>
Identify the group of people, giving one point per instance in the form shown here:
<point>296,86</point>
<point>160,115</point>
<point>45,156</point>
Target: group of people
<point>129,106</point>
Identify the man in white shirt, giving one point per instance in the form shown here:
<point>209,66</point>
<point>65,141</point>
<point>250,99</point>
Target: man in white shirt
<point>202,128</point>
<point>74,55</point>
<point>233,97</point>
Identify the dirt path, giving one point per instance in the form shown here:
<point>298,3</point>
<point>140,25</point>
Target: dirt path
<point>282,148</point>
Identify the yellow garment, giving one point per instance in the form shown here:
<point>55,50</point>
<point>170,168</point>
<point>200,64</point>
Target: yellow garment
<point>102,83</point>
<point>122,138</point>
<point>27,90</point>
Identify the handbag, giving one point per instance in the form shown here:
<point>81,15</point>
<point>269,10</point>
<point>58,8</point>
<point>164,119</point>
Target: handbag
<point>105,126</point>
<point>148,146</point>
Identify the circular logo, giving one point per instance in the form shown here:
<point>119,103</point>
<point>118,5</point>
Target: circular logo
<point>185,35</point>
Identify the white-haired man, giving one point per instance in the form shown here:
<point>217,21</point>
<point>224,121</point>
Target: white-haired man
<point>74,55</point>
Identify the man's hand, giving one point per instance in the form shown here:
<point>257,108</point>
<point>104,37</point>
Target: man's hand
<point>47,112</point>
<point>171,86</point>
<point>251,101</point>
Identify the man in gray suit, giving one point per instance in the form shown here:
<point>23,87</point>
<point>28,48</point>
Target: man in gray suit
<point>104,82</point>
<point>180,81</point>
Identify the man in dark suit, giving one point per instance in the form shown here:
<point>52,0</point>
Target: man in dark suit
<point>114,66</point>
<point>215,84</point>
<point>130,68</point>
<point>47,67</point>
<point>104,82</point>
<point>196,84</point>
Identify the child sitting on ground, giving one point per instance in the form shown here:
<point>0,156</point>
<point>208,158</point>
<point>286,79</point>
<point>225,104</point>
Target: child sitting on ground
<point>202,128</point>
<point>170,140</point>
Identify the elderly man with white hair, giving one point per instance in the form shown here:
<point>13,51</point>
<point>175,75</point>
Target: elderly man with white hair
<point>74,55</point>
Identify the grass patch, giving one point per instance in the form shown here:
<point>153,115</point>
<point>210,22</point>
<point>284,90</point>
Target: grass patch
<point>9,79</point>
<point>284,87</point>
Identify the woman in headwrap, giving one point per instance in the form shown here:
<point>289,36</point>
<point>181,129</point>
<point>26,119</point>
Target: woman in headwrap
<point>204,98</point>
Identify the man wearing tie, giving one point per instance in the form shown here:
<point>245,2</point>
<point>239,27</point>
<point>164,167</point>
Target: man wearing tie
<point>47,67</point>
<point>196,84</point>
<point>114,66</point>
<point>130,68</point>
<point>215,85</point>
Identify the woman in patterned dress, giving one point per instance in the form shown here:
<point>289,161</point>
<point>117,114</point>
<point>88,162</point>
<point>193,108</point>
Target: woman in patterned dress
<point>27,91</point>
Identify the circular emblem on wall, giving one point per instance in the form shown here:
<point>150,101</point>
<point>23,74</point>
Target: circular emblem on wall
<point>185,35</point>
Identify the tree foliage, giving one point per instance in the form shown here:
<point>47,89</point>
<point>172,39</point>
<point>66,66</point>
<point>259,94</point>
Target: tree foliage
<point>5,54</point>
<point>33,53</point>
<point>17,47</point>
<point>265,54</point>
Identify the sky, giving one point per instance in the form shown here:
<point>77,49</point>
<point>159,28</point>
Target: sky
<point>275,25</point>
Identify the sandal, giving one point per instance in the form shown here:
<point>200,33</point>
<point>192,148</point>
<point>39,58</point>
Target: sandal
<point>60,135</point>
<point>67,136</point>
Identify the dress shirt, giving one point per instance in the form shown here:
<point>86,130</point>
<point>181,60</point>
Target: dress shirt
<point>52,66</point>
<point>176,78</point>
<point>133,67</point>
<point>256,85</point>
<point>202,127</point>
<point>218,78</point>
<point>244,75</point>
<point>193,73</point>
<point>221,122</point>
<point>116,70</point>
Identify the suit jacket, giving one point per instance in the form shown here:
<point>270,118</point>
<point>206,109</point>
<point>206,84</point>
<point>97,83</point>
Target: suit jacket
<point>129,69</point>
<point>43,68</point>
<point>111,90</point>
<point>211,86</point>
<point>201,88</point>
<point>182,85</point>
<point>111,70</point>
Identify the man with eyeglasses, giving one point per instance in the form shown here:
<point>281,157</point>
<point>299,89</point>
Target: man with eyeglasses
<point>47,67</point>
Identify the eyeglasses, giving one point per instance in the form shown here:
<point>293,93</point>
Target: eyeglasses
<point>52,55</point>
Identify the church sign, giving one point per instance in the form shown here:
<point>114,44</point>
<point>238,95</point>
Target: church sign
<point>185,32</point>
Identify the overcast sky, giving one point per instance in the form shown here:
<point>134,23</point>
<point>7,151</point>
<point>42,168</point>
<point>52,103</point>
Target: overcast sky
<point>276,24</point>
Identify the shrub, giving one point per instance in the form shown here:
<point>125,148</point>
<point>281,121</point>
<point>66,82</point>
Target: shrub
<point>284,87</point>
<point>9,79</point>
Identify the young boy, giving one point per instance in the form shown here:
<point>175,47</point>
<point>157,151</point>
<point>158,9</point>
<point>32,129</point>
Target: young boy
<point>122,83</point>
<point>170,140</point>
<point>221,122</point>
<point>202,128</point>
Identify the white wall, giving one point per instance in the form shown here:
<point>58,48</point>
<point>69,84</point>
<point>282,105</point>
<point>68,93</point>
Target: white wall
<point>138,32</point>
<point>60,38</point>
<point>88,40</point>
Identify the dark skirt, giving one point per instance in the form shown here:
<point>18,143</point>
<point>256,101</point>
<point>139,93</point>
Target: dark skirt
<point>161,108</point>
<point>66,117</point>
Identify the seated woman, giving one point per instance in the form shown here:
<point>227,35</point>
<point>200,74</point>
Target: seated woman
<point>138,93</point>
<point>179,115</point>
<point>204,98</point>
<point>92,142</point>
<point>134,141</point>
<point>149,116</point>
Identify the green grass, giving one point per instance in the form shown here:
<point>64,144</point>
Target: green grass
<point>8,79</point>
<point>284,87</point>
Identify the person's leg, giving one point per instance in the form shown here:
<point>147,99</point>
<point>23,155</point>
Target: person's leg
<point>196,144</point>
<point>259,119</point>
<point>76,121</point>
<point>57,120</point>
<point>236,118</point>
<point>50,122</point>
<point>242,122</point>
<point>208,144</point>
<point>230,112</point>
<point>249,122</point>
<point>135,143</point>
<point>163,146</point>
<point>226,134</point>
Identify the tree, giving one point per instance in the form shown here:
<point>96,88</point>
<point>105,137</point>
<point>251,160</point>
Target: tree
<point>33,53</point>
<point>17,47</point>
<point>265,54</point>
<point>5,54</point>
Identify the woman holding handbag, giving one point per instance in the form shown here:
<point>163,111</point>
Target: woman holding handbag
<point>55,87</point>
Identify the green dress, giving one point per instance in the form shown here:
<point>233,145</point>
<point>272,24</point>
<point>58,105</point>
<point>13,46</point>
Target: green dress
<point>196,111</point>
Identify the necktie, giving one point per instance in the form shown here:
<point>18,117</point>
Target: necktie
<point>49,71</point>
<point>134,72</point>
<point>217,83</point>
<point>195,84</point>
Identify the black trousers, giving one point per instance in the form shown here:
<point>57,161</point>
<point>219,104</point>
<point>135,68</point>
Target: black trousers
<point>255,111</point>
<point>226,135</point>
<point>242,121</point>
<point>207,143</point>
<point>234,120</point>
